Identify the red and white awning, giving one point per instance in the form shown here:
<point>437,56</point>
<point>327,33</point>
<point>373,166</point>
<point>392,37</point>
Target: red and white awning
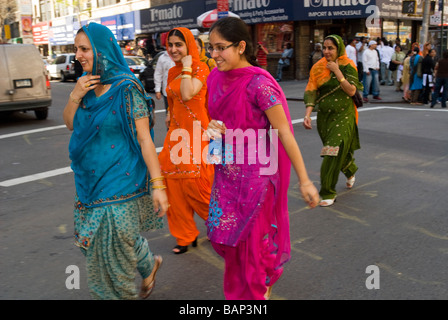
<point>206,19</point>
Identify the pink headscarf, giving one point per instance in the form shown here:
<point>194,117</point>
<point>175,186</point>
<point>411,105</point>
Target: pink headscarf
<point>228,102</point>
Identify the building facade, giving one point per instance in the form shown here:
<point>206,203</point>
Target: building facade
<point>274,22</point>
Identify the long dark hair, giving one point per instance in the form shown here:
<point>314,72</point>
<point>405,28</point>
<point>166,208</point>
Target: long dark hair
<point>235,30</point>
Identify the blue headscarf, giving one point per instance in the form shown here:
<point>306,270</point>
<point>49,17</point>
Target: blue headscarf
<point>106,156</point>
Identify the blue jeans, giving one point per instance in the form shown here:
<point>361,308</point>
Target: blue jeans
<point>440,83</point>
<point>280,68</point>
<point>371,79</point>
<point>386,74</point>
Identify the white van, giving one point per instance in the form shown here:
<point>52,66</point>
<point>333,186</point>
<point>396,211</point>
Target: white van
<point>24,84</point>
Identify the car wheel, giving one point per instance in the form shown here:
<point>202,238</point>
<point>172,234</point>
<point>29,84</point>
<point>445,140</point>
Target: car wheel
<point>41,113</point>
<point>63,77</point>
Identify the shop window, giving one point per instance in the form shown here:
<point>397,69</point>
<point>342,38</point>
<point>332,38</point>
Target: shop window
<point>105,3</point>
<point>275,35</point>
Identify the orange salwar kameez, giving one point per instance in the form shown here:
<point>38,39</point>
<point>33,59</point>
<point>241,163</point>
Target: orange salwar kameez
<point>188,177</point>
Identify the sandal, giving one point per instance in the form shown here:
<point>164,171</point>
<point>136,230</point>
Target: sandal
<point>327,202</point>
<point>181,249</point>
<point>350,182</point>
<point>267,295</point>
<point>146,290</point>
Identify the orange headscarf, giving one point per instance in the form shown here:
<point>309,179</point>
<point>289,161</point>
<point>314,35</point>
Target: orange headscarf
<point>203,57</point>
<point>320,74</point>
<point>192,50</point>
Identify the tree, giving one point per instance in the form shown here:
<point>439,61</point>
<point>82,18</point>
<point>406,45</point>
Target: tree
<point>8,9</point>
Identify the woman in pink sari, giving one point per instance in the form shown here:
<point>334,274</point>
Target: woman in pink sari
<point>248,222</point>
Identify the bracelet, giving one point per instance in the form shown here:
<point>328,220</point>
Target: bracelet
<point>186,76</point>
<point>77,101</point>
<point>343,79</point>
<point>187,69</point>
<point>162,187</point>
<point>306,117</point>
<point>161,178</point>
<point>186,73</point>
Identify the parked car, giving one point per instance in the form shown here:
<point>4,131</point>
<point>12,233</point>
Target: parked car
<point>63,67</point>
<point>24,82</point>
<point>136,64</point>
<point>147,76</point>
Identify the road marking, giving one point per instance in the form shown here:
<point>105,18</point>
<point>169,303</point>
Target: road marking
<point>34,177</point>
<point>402,276</point>
<point>21,133</point>
<point>42,175</point>
<point>52,173</point>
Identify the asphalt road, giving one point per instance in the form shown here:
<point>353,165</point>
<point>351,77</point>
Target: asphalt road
<point>394,219</point>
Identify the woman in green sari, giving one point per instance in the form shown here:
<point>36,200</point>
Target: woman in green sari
<point>333,81</point>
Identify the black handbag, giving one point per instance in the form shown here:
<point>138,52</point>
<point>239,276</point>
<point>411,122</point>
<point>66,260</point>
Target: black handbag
<point>392,66</point>
<point>357,99</point>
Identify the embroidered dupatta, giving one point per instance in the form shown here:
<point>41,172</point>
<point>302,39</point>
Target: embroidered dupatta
<point>228,102</point>
<point>106,156</point>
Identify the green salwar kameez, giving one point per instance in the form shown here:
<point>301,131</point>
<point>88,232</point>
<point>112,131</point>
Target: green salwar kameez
<point>336,124</point>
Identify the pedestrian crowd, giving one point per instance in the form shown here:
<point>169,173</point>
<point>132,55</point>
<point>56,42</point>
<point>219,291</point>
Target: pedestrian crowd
<point>414,72</point>
<point>123,187</point>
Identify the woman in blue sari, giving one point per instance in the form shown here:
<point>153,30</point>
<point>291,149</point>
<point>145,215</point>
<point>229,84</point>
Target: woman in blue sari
<point>416,79</point>
<point>112,150</point>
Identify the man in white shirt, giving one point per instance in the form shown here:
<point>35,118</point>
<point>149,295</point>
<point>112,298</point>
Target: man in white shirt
<point>351,51</point>
<point>361,46</point>
<point>371,65</point>
<point>386,54</point>
<point>164,63</point>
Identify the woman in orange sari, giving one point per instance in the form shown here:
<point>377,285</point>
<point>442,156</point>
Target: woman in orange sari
<point>188,178</point>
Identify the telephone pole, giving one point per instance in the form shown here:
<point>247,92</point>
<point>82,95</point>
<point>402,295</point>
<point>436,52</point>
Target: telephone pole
<point>425,21</point>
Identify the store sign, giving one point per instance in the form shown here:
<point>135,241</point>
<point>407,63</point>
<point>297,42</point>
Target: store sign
<point>403,9</point>
<point>125,26</point>
<point>61,32</point>
<point>40,33</point>
<point>111,23</point>
<point>263,11</point>
<point>332,9</point>
<point>164,18</point>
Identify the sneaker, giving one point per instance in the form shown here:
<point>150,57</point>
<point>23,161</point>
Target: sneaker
<point>377,98</point>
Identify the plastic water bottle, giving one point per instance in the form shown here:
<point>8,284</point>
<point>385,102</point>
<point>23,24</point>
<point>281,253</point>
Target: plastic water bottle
<point>214,155</point>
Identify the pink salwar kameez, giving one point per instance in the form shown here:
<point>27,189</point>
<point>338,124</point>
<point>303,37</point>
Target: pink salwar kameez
<point>248,222</point>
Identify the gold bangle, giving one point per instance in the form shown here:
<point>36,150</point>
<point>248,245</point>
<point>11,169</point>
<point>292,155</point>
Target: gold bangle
<point>161,178</point>
<point>77,101</point>
<point>187,69</point>
<point>306,117</point>
<point>186,76</point>
<point>162,187</point>
<point>343,79</point>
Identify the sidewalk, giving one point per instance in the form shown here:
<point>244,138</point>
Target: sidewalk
<point>295,89</point>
